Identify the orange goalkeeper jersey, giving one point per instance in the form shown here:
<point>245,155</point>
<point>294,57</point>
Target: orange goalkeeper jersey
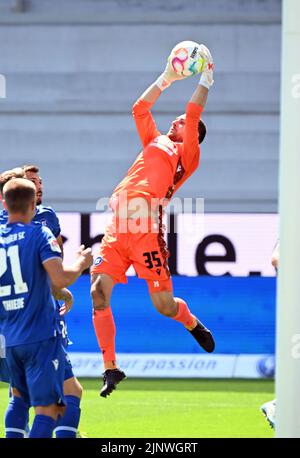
<point>163,165</point>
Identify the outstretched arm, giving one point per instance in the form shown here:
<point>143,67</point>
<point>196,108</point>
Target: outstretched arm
<point>145,123</point>
<point>141,110</point>
<point>199,97</point>
<point>62,276</point>
<point>151,94</point>
<point>191,156</point>
<point>142,115</point>
<point>168,77</point>
<point>206,80</point>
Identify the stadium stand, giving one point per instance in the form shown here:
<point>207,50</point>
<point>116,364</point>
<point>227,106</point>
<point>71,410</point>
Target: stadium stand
<point>74,68</point>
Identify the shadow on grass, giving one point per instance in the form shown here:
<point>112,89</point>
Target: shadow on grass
<point>227,385</point>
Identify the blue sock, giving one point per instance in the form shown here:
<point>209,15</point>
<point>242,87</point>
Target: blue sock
<point>67,425</point>
<point>16,418</point>
<point>27,427</point>
<point>43,426</point>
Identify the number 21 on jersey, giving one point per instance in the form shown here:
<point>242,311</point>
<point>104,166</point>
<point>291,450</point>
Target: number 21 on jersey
<point>12,254</point>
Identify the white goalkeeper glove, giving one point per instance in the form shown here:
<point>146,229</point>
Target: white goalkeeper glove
<point>207,76</point>
<point>168,77</point>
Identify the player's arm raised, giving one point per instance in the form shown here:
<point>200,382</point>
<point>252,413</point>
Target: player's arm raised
<point>145,123</point>
<point>194,109</point>
<point>199,97</point>
<point>62,276</point>
<point>142,115</point>
<point>165,80</point>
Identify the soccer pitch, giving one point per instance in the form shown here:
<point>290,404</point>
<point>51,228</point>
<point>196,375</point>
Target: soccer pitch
<point>172,409</point>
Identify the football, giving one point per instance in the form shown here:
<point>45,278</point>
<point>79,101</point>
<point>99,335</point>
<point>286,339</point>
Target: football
<point>185,58</point>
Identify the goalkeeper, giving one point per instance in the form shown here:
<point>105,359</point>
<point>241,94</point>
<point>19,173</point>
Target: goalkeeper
<point>135,235</point>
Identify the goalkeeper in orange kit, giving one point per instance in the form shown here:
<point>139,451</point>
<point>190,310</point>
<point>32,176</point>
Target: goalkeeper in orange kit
<point>135,235</point>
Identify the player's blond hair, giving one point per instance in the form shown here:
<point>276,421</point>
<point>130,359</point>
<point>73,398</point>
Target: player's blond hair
<point>8,175</point>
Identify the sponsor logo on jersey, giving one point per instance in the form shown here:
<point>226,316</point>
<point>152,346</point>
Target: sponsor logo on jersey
<point>156,284</point>
<point>98,261</point>
<point>55,246</point>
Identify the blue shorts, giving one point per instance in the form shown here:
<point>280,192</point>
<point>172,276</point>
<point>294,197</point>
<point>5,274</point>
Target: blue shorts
<point>37,371</point>
<point>63,330</point>
<point>68,366</point>
<point>4,371</point>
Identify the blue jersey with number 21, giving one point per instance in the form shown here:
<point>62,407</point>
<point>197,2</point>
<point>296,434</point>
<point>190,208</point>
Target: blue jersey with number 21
<point>47,217</point>
<point>27,309</point>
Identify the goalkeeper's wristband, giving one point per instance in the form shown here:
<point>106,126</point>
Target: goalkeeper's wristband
<point>162,83</point>
<point>206,79</point>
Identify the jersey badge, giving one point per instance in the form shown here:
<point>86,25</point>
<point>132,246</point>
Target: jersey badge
<point>55,246</point>
<point>98,261</point>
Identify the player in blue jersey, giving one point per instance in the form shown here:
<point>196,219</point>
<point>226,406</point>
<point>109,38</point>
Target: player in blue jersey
<point>68,424</point>
<point>4,178</point>
<point>30,259</point>
<point>45,215</point>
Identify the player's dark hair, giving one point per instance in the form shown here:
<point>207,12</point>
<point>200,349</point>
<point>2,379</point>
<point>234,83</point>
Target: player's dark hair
<point>18,194</point>
<point>201,131</point>
<point>31,168</point>
<point>8,175</point>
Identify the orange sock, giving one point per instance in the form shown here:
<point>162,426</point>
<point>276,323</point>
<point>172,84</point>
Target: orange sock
<point>105,330</point>
<point>184,316</point>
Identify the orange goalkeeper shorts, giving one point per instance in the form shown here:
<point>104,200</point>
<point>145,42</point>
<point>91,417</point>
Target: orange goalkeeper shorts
<point>146,251</point>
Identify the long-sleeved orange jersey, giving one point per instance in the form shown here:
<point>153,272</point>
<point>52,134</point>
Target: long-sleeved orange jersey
<point>163,165</point>
<point>158,171</point>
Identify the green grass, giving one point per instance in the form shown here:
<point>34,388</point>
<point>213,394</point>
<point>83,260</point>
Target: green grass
<point>172,408</point>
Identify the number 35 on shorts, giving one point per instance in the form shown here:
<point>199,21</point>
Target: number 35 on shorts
<point>152,259</point>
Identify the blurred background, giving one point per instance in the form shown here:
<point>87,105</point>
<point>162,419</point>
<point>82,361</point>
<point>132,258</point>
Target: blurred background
<point>73,69</point>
